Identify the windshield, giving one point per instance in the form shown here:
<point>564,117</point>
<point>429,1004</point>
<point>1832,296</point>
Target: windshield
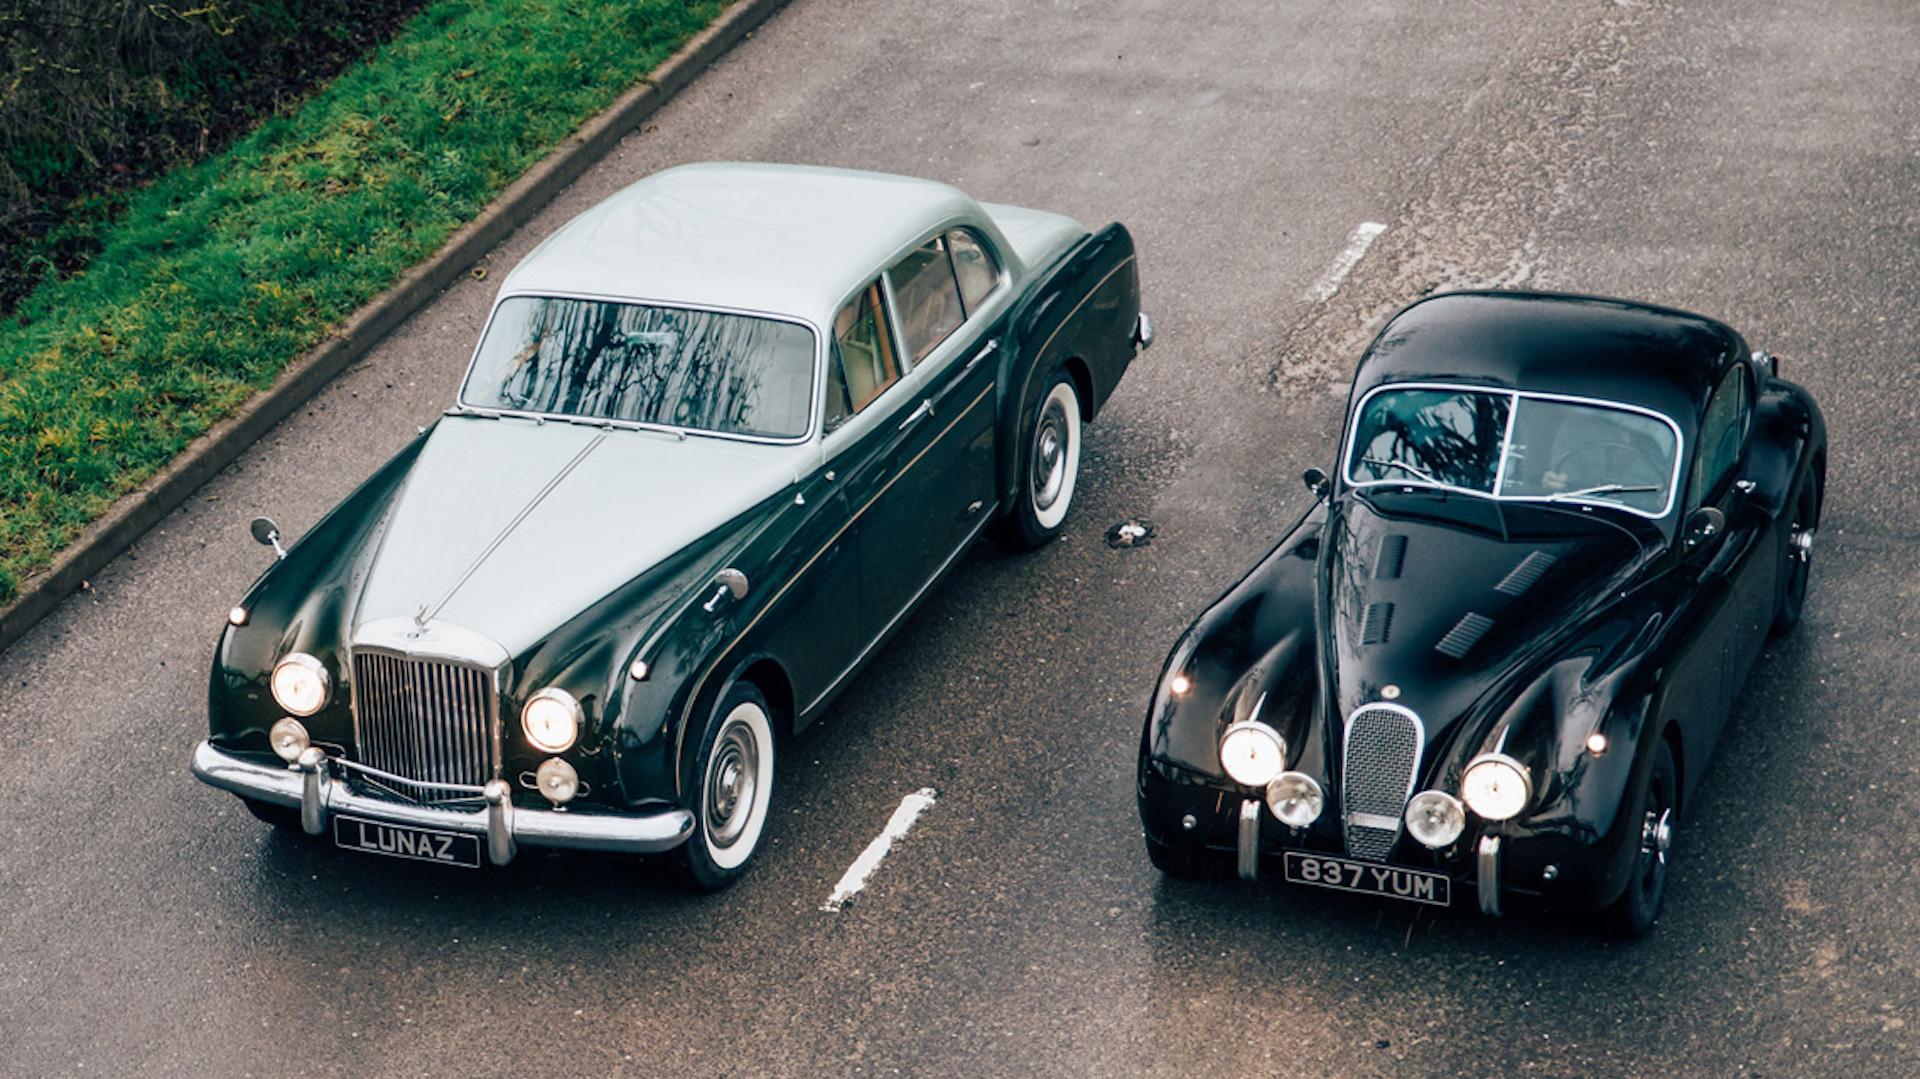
<point>695,370</point>
<point>1516,446</point>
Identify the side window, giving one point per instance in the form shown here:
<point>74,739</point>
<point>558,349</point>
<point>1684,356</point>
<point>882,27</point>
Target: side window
<point>863,363</point>
<point>974,265</point>
<point>1723,432</point>
<point>929,298</point>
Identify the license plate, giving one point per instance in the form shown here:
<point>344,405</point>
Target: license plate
<point>406,841</point>
<point>1368,878</point>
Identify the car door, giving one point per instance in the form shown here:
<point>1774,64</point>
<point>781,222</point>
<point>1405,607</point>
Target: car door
<point>934,487</point>
<point>1730,578</point>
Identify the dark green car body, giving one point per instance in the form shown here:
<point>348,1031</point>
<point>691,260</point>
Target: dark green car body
<point>647,570</point>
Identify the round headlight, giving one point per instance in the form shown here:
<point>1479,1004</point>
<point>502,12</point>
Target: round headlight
<point>1296,799</point>
<point>557,780</point>
<point>1496,787</point>
<point>1435,818</point>
<point>289,738</point>
<point>1252,753</point>
<point>551,720</point>
<point>300,684</point>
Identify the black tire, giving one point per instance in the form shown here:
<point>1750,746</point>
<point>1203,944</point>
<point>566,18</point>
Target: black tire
<point>1048,467</point>
<point>1185,863</point>
<point>732,789</point>
<point>285,818</point>
<point>1633,914</point>
<point>1796,557</point>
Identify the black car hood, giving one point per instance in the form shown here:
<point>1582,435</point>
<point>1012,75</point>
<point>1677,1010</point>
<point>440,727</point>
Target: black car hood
<point>1430,610</point>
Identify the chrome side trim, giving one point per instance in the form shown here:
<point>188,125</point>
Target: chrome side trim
<point>1250,839</point>
<point>312,788</point>
<point>1487,855</point>
<point>1143,331</point>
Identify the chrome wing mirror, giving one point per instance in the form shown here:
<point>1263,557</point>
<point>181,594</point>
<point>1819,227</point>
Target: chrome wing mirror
<point>267,534</point>
<point>1318,483</point>
<point>728,582</point>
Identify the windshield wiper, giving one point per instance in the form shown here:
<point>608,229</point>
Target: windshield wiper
<point>1603,489</point>
<point>1379,462</point>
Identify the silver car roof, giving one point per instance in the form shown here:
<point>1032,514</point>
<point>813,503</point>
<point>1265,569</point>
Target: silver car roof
<point>789,240</point>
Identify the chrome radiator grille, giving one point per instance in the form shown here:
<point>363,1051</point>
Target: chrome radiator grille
<point>1382,756</point>
<point>425,722</point>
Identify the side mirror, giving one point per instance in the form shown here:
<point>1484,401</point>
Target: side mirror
<point>267,534</point>
<point>1317,482</point>
<point>728,582</point>
<point>1702,525</point>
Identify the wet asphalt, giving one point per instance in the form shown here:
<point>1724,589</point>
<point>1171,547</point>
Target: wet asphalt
<point>1749,159</point>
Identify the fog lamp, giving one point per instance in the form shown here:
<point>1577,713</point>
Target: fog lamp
<point>1252,753</point>
<point>1435,818</point>
<point>551,719</point>
<point>557,780</point>
<point>299,684</point>
<point>289,739</point>
<point>1496,787</point>
<point>1296,799</point>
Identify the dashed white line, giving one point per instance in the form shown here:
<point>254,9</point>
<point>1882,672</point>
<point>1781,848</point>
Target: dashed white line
<point>869,860</point>
<point>1329,283</point>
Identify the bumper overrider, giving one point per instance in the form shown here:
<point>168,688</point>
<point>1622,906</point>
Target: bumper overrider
<point>316,786</point>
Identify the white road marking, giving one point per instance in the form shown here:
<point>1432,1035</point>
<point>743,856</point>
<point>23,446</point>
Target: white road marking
<point>869,860</point>
<point>1329,283</point>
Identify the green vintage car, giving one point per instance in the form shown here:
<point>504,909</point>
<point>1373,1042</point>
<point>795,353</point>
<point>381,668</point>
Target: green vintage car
<point>720,434</point>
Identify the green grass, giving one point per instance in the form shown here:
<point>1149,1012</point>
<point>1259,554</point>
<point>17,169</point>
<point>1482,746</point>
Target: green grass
<point>220,275</point>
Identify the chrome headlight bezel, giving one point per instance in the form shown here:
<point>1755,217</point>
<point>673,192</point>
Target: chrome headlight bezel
<point>1252,753</point>
<point>551,720</point>
<point>1295,799</point>
<point>1435,819</point>
<point>1496,787</point>
<point>300,684</point>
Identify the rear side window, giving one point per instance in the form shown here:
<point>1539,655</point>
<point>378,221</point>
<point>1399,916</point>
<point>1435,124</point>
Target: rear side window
<point>974,265</point>
<point>928,295</point>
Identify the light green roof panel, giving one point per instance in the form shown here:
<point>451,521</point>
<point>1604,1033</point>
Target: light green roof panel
<point>781,239</point>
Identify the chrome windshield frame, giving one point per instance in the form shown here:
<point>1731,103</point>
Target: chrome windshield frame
<point>1506,446</point>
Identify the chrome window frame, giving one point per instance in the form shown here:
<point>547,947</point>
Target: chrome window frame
<point>1506,444</point>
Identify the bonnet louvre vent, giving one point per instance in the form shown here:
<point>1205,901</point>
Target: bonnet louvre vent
<point>1377,624</point>
<point>1464,635</point>
<point>1526,574</point>
<point>1393,552</point>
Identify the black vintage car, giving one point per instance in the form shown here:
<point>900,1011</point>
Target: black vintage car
<point>721,433</point>
<point>1490,664</point>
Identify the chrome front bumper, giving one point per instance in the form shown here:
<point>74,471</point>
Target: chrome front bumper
<point>311,786</point>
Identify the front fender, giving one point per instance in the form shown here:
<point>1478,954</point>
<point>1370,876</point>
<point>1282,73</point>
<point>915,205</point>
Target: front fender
<point>1251,653</point>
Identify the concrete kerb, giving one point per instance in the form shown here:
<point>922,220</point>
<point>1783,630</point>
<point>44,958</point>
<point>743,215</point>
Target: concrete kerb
<point>145,506</point>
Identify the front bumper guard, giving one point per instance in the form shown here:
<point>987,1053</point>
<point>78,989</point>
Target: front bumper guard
<point>310,786</point>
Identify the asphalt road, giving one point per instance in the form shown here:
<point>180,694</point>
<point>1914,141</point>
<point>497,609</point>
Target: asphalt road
<point>1746,158</point>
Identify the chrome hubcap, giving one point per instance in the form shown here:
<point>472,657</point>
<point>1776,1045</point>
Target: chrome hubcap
<point>731,784</point>
<point>1803,543</point>
<point>1656,835</point>
<point>1049,457</point>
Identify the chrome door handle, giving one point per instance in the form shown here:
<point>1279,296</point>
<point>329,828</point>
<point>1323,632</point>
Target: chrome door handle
<point>921,413</point>
<point>981,355</point>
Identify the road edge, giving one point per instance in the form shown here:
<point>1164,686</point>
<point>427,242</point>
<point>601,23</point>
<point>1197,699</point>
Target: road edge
<point>137,511</point>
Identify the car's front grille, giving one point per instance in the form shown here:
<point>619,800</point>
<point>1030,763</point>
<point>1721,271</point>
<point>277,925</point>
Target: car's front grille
<point>425,722</point>
<point>1382,754</point>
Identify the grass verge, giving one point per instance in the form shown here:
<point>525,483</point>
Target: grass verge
<point>220,275</point>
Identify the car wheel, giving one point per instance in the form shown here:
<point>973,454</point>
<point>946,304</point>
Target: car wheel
<point>1186,863</point>
<point>734,788</point>
<point>1049,466</point>
<point>1633,914</point>
<point>1796,557</point>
